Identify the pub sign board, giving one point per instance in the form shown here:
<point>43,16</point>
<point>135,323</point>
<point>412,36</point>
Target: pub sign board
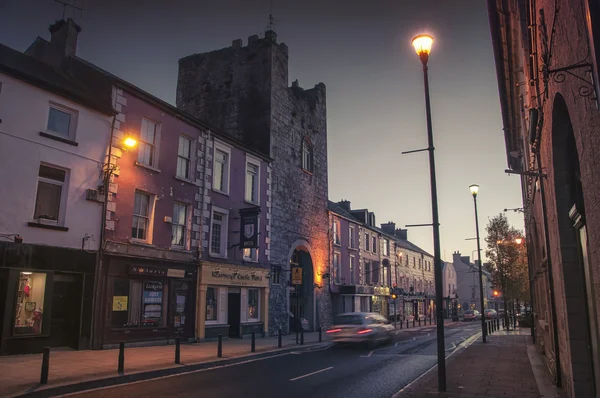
<point>249,227</point>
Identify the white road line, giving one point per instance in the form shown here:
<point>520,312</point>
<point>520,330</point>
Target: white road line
<point>370,353</point>
<point>310,374</point>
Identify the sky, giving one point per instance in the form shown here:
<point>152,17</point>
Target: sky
<point>362,51</point>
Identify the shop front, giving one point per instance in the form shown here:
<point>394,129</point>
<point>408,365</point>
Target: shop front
<point>148,301</point>
<point>356,298</point>
<point>380,298</point>
<point>45,298</point>
<point>232,301</point>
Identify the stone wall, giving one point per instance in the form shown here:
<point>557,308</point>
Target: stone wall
<point>245,92</point>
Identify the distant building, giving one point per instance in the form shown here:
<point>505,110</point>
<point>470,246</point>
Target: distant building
<point>449,283</point>
<point>467,283</point>
<point>244,91</point>
<point>54,132</point>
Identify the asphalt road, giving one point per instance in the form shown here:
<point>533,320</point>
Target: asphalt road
<point>331,371</point>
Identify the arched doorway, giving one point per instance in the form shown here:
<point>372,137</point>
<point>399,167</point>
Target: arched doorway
<point>302,297</point>
<point>578,287</point>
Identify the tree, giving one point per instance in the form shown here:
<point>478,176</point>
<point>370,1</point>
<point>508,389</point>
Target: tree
<point>507,255</point>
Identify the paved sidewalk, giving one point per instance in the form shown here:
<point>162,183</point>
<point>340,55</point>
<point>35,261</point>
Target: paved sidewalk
<point>498,368</point>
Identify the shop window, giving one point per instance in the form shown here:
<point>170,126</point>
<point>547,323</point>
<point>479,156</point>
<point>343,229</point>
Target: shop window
<point>30,303</point>
<point>138,303</point>
<point>211,304</point>
<point>253,303</point>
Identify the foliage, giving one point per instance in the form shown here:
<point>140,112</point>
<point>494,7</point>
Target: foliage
<point>508,259</point>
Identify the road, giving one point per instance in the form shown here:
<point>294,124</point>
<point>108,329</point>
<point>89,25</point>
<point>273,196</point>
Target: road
<point>330,371</point>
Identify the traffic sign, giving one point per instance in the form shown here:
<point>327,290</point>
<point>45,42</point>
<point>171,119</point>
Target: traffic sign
<point>296,275</point>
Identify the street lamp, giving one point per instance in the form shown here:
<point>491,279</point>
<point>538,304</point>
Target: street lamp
<point>422,45</point>
<point>474,190</point>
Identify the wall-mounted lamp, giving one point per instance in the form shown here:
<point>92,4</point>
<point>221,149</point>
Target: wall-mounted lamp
<point>316,286</point>
<point>129,142</point>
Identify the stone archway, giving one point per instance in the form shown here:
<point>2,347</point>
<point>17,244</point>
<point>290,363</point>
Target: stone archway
<point>579,292</point>
<point>302,303</point>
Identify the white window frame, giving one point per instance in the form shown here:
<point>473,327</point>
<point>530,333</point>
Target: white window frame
<point>351,237</point>
<point>337,235</point>
<point>254,161</point>
<point>157,129</point>
<point>63,194</point>
<point>337,268</point>
<point>186,226</point>
<point>150,228</point>
<point>352,266</point>
<point>386,247</point>
<point>224,232</point>
<point>185,159</point>
<point>71,135</point>
<point>257,319</point>
<point>219,146</point>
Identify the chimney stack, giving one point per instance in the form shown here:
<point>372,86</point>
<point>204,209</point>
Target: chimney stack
<point>402,233</point>
<point>389,228</point>
<point>64,36</point>
<point>345,204</point>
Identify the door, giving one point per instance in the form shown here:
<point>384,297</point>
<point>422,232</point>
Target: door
<point>65,313</point>
<point>180,300</point>
<point>233,314</point>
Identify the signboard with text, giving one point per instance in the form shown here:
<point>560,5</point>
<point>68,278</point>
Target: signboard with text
<point>249,227</point>
<point>296,275</point>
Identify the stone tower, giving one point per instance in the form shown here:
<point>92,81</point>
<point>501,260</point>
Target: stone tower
<point>244,92</point>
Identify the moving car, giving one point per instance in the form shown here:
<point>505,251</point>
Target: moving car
<point>490,314</point>
<point>361,327</point>
<point>471,315</point>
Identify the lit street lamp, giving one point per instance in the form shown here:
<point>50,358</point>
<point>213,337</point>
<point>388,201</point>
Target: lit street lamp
<point>422,44</point>
<point>474,189</point>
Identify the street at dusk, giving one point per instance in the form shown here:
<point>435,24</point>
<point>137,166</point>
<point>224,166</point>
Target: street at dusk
<point>282,198</point>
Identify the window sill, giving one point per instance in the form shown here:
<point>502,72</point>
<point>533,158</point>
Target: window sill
<point>139,242</point>
<point>217,256</point>
<point>337,244</point>
<point>58,138</point>
<point>353,248</point>
<point>251,203</point>
<point>221,192</point>
<point>251,321</point>
<point>186,181</point>
<point>179,249</point>
<point>47,226</point>
<point>310,173</point>
<point>154,169</point>
<point>246,260</point>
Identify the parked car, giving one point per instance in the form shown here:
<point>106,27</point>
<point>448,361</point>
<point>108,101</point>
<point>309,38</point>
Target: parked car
<point>490,314</point>
<point>361,327</point>
<point>471,315</point>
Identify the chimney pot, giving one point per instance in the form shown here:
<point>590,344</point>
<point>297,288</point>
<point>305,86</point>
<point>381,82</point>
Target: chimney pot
<point>64,36</point>
<point>237,44</point>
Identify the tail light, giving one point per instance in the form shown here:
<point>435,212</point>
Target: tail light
<point>334,330</point>
<point>363,331</point>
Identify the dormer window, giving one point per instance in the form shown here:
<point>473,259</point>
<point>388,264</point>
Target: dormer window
<point>307,155</point>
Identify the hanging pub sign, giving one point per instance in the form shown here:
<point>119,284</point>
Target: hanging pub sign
<point>249,227</point>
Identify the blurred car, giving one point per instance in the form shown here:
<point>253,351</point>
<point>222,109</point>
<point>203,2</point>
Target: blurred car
<point>471,315</point>
<point>490,314</point>
<point>360,327</point>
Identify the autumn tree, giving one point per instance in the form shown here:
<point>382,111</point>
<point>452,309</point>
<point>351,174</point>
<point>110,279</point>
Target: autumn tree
<point>507,255</point>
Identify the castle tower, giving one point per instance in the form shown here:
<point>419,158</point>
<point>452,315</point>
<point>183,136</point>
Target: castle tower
<point>244,92</point>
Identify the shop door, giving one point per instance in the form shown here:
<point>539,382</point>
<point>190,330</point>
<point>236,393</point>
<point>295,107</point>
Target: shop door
<point>233,314</point>
<point>65,313</point>
<point>180,321</point>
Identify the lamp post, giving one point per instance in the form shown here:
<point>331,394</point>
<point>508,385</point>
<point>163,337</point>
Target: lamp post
<point>422,45</point>
<point>474,189</point>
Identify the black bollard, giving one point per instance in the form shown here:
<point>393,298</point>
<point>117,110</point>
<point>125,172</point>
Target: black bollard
<point>279,339</point>
<point>320,334</point>
<point>302,336</point>
<point>220,347</point>
<point>45,366</point>
<point>419,321</point>
<point>121,367</point>
<point>407,323</point>
<point>401,323</point>
<point>497,323</point>
<point>297,336</point>
<point>177,351</point>
<point>252,344</point>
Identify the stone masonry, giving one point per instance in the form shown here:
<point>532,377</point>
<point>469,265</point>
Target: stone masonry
<point>244,91</point>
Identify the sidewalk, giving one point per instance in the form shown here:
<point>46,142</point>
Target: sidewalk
<point>499,368</point>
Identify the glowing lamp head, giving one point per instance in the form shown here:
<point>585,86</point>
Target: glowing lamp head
<point>518,241</point>
<point>130,142</point>
<point>496,293</point>
<point>474,189</point>
<point>422,45</point>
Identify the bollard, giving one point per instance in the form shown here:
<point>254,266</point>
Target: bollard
<point>497,323</point>
<point>177,350</point>
<point>320,335</point>
<point>252,343</point>
<point>220,347</point>
<point>401,323</point>
<point>45,366</point>
<point>279,339</point>
<point>121,368</point>
<point>407,323</point>
<point>302,336</point>
<point>297,336</point>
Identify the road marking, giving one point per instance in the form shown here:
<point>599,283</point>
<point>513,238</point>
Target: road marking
<point>311,374</point>
<point>396,345</point>
<point>371,353</point>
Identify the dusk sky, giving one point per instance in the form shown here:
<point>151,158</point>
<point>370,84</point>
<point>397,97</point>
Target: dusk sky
<point>361,50</point>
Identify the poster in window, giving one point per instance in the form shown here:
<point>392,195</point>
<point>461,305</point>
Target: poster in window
<point>153,297</point>
<point>120,303</point>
